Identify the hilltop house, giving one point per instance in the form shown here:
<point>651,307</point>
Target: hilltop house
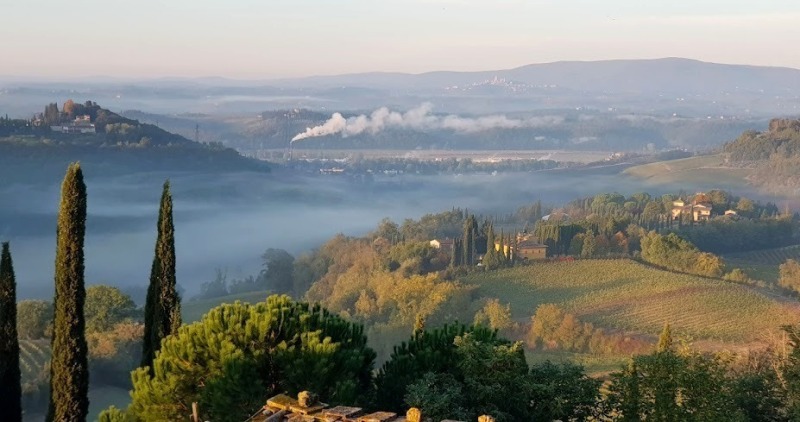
<point>81,125</point>
<point>308,408</point>
<point>698,209</point>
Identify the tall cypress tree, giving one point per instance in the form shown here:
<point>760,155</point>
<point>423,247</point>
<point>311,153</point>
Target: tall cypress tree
<point>163,306</point>
<point>69,367</point>
<point>10,384</point>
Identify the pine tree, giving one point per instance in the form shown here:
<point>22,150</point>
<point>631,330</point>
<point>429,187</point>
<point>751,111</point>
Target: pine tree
<point>10,384</point>
<point>163,306</point>
<point>69,370</point>
<point>470,231</point>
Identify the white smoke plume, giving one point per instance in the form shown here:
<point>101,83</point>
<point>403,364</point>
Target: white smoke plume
<point>419,118</point>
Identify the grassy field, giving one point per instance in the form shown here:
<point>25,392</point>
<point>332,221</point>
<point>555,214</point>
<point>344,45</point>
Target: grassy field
<point>763,264</point>
<point>626,295</point>
<point>704,170</point>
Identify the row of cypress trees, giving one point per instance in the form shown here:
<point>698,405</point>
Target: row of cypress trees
<point>69,367</point>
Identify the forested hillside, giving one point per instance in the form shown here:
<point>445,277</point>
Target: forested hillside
<point>774,154</point>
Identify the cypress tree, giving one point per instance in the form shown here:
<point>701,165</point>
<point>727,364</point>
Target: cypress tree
<point>163,307</point>
<point>69,368</point>
<point>10,384</point>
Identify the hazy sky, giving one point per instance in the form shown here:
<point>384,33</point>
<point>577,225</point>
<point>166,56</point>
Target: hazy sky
<point>280,38</point>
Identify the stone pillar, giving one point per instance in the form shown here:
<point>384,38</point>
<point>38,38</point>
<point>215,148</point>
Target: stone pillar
<point>306,399</point>
<point>414,415</point>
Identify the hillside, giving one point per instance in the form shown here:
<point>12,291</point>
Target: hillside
<point>704,171</point>
<point>108,143</point>
<point>774,155</point>
<point>626,295</point>
<point>619,295</point>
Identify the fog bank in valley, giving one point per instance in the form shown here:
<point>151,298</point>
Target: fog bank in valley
<point>227,221</point>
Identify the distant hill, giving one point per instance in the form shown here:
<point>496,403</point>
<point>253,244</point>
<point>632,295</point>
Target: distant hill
<point>38,149</point>
<point>667,75</point>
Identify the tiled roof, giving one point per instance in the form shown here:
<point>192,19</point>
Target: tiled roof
<point>306,408</point>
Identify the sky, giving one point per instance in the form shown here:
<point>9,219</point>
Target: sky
<point>264,39</point>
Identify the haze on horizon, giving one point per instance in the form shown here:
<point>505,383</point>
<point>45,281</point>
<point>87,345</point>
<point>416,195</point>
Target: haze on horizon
<point>251,39</point>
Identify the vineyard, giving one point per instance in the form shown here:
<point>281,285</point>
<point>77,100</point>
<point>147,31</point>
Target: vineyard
<point>33,355</point>
<point>626,295</point>
<point>763,264</point>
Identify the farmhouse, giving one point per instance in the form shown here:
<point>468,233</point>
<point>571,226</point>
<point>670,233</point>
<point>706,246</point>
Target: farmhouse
<point>445,245</point>
<point>698,209</point>
<point>528,249</point>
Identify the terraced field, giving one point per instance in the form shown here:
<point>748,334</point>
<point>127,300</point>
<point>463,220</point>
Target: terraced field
<point>763,264</point>
<point>630,296</point>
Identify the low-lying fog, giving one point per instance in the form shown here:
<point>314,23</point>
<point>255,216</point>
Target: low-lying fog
<point>227,221</point>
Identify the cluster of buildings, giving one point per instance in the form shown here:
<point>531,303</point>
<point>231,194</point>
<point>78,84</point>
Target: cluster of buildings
<point>525,248</point>
<point>81,125</point>
<point>698,209</point>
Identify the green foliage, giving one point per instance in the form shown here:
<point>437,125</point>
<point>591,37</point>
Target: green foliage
<point>106,306</point>
<point>34,319</point>
<point>677,254</point>
<point>162,311</point>
<point>563,392</point>
<point>668,386</point>
<point>476,372</point>
<point>238,354</point>
<point>440,395</point>
<point>69,380</point>
<point>277,273</point>
<point>10,377</point>
<point>112,414</point>
<point>729,235</point>
<point>432,351</point>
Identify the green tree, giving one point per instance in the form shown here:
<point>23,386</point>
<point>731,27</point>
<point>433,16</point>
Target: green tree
<point>162,311</point>
<point>238,354</point>
<point>668,385</point>
<point>34,319</point>
<point>106,306</point>
<point>429,351</point>
<point>491,259</point>
<point>563,392</point>
<point>277,274</point>
<point>10,382</point>
<point>439,395</point>
<point>69,370</point>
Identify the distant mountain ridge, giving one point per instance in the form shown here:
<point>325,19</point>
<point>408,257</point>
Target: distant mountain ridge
<point>619,76</point>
